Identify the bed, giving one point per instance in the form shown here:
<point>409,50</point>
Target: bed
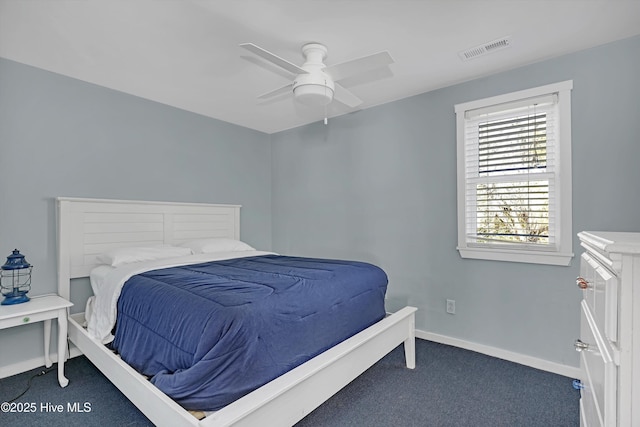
<point>89,227</point>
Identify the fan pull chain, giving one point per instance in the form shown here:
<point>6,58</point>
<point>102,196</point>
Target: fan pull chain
<point>325,105</point>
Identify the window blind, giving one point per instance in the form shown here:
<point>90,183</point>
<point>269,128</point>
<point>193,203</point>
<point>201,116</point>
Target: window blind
<point>510,173</point>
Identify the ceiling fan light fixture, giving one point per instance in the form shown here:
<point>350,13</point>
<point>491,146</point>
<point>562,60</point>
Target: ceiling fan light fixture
<point>313,94</point>
<point>313,89</point>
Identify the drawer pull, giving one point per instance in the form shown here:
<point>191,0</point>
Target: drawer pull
<point>582,283</point>
<point>580,346</point>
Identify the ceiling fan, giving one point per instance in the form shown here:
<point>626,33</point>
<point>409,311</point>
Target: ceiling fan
<point>314,82</point>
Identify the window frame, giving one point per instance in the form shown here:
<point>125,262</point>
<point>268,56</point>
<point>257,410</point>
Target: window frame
<point>562,253</point>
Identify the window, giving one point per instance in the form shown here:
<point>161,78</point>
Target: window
<point>514,176</point>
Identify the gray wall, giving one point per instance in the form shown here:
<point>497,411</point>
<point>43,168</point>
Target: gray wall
<point>380,185</point>
<point>63,137</point>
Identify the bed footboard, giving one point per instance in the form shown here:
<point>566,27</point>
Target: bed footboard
<point>285,400</point>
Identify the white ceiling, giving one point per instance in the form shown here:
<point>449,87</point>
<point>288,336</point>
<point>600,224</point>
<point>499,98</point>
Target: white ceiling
<point>185,53</point>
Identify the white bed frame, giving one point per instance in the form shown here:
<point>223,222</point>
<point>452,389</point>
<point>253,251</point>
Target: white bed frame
<point>87,227</point>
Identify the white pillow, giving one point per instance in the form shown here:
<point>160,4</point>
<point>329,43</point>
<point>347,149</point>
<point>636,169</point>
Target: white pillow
<point>116,257</point>
<point>207,246</point>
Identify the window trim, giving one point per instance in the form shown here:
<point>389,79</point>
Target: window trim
<point>564,252</point>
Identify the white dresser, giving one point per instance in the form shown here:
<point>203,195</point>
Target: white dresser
<point>609,341</point>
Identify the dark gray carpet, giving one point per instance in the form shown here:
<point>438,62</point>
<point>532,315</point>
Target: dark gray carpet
<point>449,387</point>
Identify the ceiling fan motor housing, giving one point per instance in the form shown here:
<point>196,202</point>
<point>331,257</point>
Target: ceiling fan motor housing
<point>315,87</point>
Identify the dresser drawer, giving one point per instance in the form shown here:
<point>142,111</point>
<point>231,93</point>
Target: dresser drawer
<point>587,279</point>
<point>599,374</point>
<point>600,291</point>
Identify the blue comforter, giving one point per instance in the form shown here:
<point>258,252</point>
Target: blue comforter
<point>209,333</point>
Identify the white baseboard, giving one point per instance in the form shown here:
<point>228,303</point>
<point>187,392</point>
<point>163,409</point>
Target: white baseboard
<point>522,359</point>
<point>36,362</point>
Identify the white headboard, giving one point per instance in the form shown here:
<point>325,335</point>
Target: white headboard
<point>88,227</point>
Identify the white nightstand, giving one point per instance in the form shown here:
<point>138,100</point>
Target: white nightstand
<point>38,309</point>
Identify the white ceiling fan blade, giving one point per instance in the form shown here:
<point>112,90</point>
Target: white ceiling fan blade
<point>360,65</point>
<point>276,92</point>
<point>342,95</point>
<point>280,62</point>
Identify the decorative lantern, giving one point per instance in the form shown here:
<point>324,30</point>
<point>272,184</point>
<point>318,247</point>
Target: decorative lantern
<point>15,279</point>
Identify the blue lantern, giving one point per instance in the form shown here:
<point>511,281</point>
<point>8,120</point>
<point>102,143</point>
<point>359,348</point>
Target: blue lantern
<point>15,279</point>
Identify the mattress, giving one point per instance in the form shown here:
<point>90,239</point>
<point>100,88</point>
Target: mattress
<point>208,333</point>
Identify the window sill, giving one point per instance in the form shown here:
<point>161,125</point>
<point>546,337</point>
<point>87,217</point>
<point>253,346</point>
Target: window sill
<point>531,257</point>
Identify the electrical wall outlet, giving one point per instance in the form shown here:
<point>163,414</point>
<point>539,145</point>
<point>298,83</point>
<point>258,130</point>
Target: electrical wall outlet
<point>451,306</point>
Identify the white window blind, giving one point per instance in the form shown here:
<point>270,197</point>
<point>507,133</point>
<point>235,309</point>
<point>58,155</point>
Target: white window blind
<point>514,176</point>
<point>510,175</point>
